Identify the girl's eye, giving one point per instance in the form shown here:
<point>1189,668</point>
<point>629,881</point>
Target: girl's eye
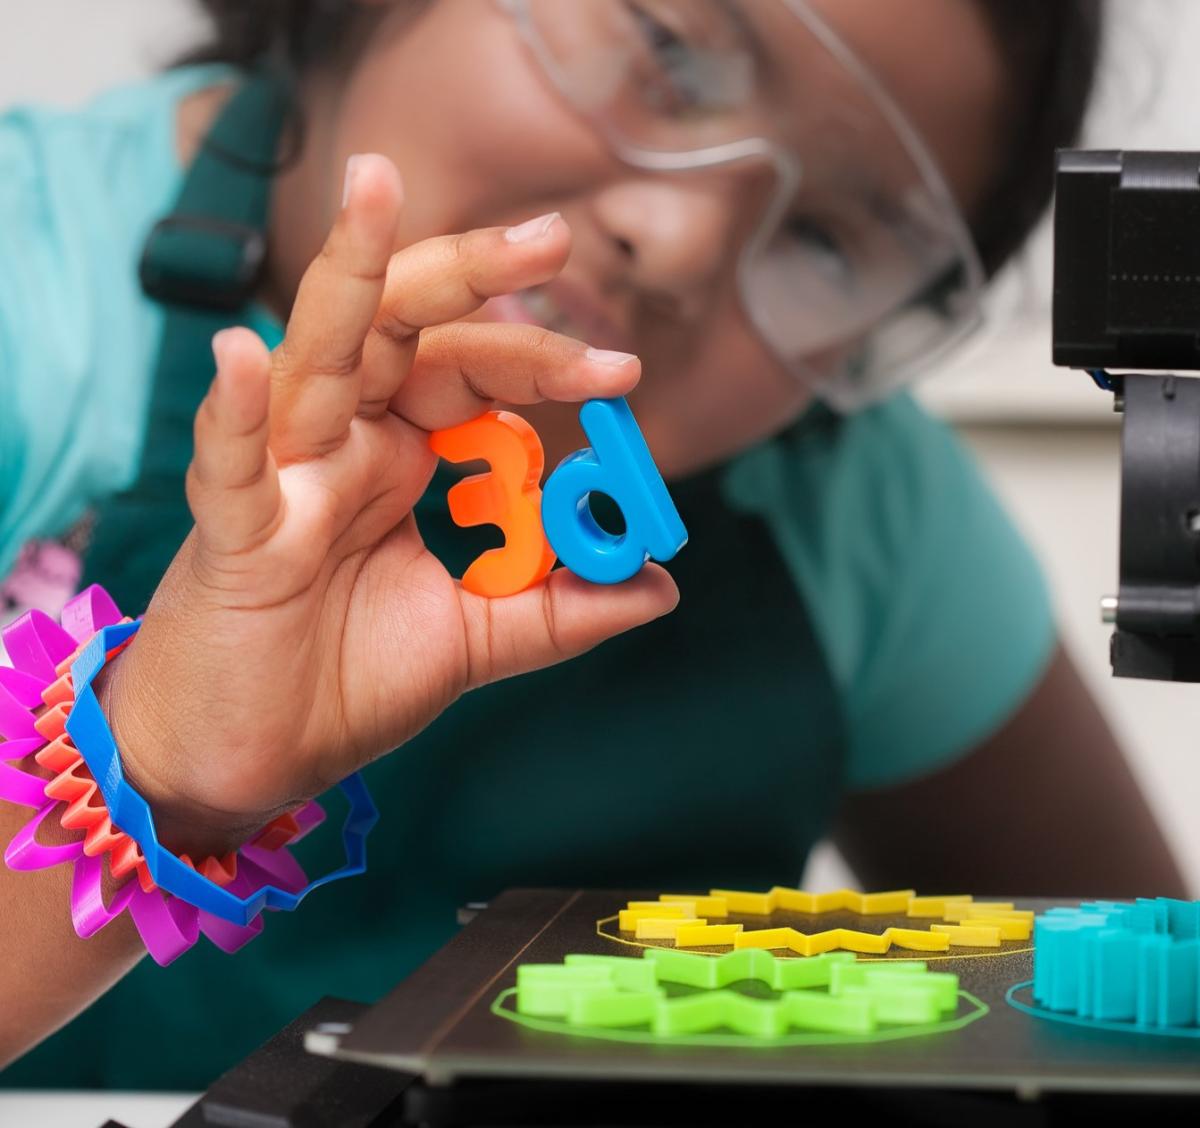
<point>661,39</point>
<point>822,248</point>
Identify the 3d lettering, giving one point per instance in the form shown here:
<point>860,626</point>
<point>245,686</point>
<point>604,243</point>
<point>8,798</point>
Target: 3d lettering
<point>507,495</point>
<point>617,464</point>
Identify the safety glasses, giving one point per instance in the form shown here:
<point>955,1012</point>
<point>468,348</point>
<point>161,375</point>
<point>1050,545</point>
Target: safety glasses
<point>853,261</point>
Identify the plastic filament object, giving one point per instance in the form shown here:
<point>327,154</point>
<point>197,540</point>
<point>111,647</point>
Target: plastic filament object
<point>37,702</point>
<point>831,993</point>
<point>1110,962</point>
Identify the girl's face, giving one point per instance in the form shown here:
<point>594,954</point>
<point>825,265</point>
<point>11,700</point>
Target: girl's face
<point>483,138</point>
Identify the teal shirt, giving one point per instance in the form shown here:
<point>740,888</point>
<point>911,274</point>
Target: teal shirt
<point>930,611</point>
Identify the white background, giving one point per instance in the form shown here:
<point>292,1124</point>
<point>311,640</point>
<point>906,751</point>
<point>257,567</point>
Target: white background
<point>1046,437</point>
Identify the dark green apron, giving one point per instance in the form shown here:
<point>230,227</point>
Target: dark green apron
<point>702,750</point>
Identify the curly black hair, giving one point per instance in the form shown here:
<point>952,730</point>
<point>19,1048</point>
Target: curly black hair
<point>1050,49</point>
<point>299,32</point>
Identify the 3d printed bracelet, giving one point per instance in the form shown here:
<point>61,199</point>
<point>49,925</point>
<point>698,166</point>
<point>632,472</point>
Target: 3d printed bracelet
<point>265,874</point>
<point>689,920</point>
<point>1122,966</point>
<point>36,642</point>
<point>680,998</point>
<point>89,730</point>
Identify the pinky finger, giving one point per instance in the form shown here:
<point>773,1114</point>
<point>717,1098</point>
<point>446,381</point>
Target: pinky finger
<point>233,484</point>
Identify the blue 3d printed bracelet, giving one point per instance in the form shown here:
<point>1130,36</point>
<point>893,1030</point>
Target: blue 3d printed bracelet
<point>91,735</point>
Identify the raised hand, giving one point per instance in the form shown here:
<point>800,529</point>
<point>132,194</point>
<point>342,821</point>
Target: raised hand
<point>304,628</point>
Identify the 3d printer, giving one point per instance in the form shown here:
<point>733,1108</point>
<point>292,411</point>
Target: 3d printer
<point>436,1051</point>
<point>1127,296</point>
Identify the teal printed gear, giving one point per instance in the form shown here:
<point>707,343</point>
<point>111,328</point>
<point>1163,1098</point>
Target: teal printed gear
<point>1111,962</point>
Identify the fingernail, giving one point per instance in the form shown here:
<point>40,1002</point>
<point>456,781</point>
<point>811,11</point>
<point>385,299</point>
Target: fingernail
<point>532,229</point>
<point>352,167</point>
<point>220,342</point>
<point>608,356</point>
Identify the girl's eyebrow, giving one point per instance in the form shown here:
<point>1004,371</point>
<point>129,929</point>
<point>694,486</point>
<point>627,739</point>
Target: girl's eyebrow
<point>747,32</point>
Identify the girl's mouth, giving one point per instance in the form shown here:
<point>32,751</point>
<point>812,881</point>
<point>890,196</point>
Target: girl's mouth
<point>558,308</point>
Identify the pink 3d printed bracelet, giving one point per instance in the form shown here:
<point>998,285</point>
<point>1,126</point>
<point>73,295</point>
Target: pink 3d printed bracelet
<point>36,696</point>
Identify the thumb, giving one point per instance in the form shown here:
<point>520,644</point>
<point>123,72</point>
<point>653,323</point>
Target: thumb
<point>558,619</point>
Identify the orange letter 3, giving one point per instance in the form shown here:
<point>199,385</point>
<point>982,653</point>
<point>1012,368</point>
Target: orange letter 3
<point>508,495</point>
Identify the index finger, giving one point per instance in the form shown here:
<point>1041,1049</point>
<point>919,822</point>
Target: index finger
<point>317,375</point>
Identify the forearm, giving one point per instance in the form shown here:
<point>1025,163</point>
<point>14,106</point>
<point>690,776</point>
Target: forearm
<point>305,628</point>
<point>53,973</point>
<point>49,974</point>
<point>1047,806</point>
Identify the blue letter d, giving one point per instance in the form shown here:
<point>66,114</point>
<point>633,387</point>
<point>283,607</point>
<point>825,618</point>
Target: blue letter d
<point>618,464</point>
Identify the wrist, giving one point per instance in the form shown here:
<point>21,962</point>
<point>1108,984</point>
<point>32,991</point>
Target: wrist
<point>155,765</point>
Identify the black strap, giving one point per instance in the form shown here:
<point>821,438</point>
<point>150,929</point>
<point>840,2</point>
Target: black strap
<point>210,251</point>
<point>203,261</point>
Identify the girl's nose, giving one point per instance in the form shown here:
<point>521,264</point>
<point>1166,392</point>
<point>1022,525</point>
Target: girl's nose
<point>677,233</point>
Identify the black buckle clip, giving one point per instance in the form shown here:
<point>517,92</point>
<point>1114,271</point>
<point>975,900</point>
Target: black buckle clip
<point>204,261</point>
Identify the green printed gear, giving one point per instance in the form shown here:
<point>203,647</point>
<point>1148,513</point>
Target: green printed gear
<point>824,999</point>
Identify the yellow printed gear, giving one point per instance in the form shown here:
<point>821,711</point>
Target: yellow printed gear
<point>959,921</point>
